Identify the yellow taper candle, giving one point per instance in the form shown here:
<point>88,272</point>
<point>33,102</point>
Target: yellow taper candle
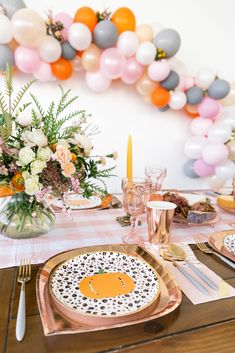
<point>129,159</point>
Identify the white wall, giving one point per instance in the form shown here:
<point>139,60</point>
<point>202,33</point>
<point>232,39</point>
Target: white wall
<point>207,29</point>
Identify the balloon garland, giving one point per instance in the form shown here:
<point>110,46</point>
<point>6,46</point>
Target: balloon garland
<point>109,47</point>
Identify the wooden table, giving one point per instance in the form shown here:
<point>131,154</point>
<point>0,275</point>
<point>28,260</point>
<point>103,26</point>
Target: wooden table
<point>205,328</point>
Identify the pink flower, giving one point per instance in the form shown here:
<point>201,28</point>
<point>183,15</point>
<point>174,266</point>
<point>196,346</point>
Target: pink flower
<point>62,154</point>
<point>68,169</point>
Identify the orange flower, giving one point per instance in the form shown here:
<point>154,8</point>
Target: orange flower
<point>18,182</point>
<point>6,190</point>
<point>53,147</point>
<point>74,157</point>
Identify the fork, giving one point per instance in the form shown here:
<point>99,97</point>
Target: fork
<point>24,276</point>
<point>206,250</point>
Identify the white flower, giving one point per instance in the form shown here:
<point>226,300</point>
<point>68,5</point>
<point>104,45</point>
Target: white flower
<point>32,185</point>
<point>44,153</point>
<point>26,175</point>
<point>63,143</point>
<point>37,166</point>
<point>25,119</point>
<point>84,142</point>
<point>34,138</point>
<point>26,156</point>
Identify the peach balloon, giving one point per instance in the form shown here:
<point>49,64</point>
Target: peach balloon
<point>76,63</point>
<point>144,33</point>
<point>230,98</point>
<point>145,86</point>
<point>90,58</point>
<point>28,28</point>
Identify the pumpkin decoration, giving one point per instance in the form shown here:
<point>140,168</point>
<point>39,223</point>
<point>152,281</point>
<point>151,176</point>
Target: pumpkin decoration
<point>18,182</point>
<point>6,190</point>
<point>106,201</point>
<point>106,285</point>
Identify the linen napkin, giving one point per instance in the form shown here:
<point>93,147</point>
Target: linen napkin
<point>195,296</point>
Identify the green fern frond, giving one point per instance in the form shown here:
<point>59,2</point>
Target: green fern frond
<point>38,105</point>
<point>3,105</point>
<point>36,119</point>
<point>24,106</point>
<point>8,81</point>
<point>66,104</point>
<point>64,96</point>
<point>20,95</point>
<point>50,111</point>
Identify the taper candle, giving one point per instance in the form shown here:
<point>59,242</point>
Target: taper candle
<point>129,159</point>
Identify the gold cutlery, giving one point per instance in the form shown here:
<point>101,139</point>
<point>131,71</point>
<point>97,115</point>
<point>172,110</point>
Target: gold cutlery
<point>24,276</point>
<point>165,255</point>
<point>206,250</point>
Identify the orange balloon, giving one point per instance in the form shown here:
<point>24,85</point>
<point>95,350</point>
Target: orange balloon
<point>160,97</point>
<point>192,110</point>
<point>87,16</point>
<point>62,69</point>
<point>124,19</point>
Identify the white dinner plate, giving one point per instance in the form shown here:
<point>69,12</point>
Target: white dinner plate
<point>78,202</point>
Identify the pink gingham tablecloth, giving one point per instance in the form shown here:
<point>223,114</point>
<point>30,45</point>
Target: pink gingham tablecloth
<point>94,227</point>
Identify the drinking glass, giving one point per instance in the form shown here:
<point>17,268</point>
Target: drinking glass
<point>155,176</point>
<point>135,194</point>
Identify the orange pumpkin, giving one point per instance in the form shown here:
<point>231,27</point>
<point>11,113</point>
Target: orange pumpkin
<point>106,201</point>
<point>106,285</point>
<point>6,190</point>
<point>18,182</point>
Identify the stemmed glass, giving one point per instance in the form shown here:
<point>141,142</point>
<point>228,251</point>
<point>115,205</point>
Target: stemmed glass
<point>135,193</point>
<point>155,176</point>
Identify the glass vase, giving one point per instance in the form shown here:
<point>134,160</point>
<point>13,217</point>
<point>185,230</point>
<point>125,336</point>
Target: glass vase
<point>21,219</point>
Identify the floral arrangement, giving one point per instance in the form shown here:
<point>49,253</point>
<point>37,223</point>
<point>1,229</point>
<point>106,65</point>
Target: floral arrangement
<point>44,154</point>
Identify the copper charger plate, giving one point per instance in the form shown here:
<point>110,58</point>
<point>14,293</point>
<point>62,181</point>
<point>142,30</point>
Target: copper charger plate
<point>55,322</point>
<point>216,240</point>
<point>230,210</point>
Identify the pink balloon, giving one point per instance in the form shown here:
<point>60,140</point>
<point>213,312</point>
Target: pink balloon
<point>97,82</point>
<point>215,153</point>
<point>203,169</point>
<point>43,72</point>
<point>188,82</point>
<point>133,71</point>
<point>200,126</point>
<point>159,70</point>
<point>66,20</point>
<point>209,108</point>
<point>27,60</point>
<point>112,63</point>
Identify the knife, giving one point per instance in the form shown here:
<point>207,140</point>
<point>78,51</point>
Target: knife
<point>191,279</point>
<point>204,277</point>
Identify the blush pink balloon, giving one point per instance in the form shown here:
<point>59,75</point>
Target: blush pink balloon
<point>159,70</point>
<point>203,169</point>
<point>112,63</point>
<point>66,20</point>
<point>97,82</point>
<point>209,108</point>
<point>43,72</point>
<point>200,126</point>
<point>188,81</point>
<point>27,60</point>
<point>133,71</point>
<point>215,153</point>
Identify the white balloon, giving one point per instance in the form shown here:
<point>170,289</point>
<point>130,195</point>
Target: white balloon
<point>225,170</point>
<point>177,65</point>
<point>79,36</point>
<point>146,53</point>
<point>215,183</point>
<point>50,49</point>
<point>228,118</point>
<point>97,82</point>
<point>194,147</point>
<point>128,43</point>
<point>6,33</point>
<point>178,100</point>
<point>200,126</point>
<point>205,77</point>
<point>219,132</point>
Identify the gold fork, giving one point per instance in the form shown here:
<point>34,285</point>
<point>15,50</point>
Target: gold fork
<point>206,250</point>
<point>24,276</point>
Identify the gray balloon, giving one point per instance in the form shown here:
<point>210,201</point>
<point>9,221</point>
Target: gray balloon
<point>188,169</point>
<point>164,109</point>
<point>194,95</point>
<point>167,40</point>
<point>219,89</point>
<point>68,52</point>
<point>11,6</point>
<point>171,82</point>
<point>6,57</point>
<point>105,34</point>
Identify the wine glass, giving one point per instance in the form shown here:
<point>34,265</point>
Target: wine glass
<point>135,193</point>
<point>155,176</point>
